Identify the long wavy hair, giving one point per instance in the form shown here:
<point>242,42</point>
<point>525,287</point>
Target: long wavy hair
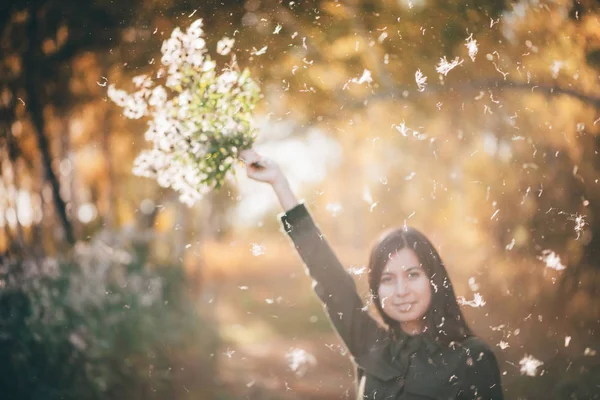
<point>444,320</point>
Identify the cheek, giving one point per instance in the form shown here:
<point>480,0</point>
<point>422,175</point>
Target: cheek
<point>423,288</point>
<point>384,293</point>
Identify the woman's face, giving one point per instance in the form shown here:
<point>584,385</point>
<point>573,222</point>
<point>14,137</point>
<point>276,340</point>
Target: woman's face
<point>405,291</point>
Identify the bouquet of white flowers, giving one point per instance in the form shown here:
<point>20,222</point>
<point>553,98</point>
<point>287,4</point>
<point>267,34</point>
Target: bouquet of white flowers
<point>198,121</point>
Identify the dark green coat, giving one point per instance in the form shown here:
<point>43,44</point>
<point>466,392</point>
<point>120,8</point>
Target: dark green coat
<point>401,368</point>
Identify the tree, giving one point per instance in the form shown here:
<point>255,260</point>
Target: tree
<point>36,71</point>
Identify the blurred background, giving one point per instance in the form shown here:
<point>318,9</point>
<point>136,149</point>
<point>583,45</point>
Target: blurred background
<point>110,288</point>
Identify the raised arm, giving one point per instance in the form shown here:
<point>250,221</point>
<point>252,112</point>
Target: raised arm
<point>266,170</point>
<point>332,283</point>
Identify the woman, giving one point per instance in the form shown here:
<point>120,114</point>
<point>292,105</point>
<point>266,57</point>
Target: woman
<point>427,351</point>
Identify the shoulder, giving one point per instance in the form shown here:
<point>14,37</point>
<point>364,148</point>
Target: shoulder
<point>481,377</point>
<point>478,352</point>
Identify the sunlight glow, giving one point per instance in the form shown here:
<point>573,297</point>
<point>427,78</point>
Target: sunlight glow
<point>87,213</point>
<point>24,208</point>
<point>305,160</point>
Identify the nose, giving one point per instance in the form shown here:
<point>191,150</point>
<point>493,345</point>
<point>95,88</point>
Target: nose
<point>401,288</point>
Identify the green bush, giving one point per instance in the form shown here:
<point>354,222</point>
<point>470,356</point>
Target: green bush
<point>98,324</point>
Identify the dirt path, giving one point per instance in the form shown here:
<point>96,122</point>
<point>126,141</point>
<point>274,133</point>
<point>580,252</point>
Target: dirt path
<point>261,371</point>
<point>261,325</point>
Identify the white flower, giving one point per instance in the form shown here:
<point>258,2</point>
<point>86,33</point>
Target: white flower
<point>580,222</point>
<point>357,270</point>
<point>552,260</point>
<point>142,81</point>
<point>119,97</point>
<point>299,361</point>
<point>172,58</point>
<point>225,45</point>
<point>421,80</point>
<point>177,34</point>
<point>257,249</point>
<point>172,50</point>
<point>158,97</point>
<point>366,77</point>
<point>529,365</point>
<point>471,47</point>
<point>197,44</point>
<point>195,29</point>
<point>195,59</point>
<point>259,52</point>
<point>174,80</point>
<point>334,208</point>
<point>477,301</point>
<point>567,341</point>
<point>134,109</point>
<point>226,80</point>
<point>556,67</point>
<point>402,128</point>
<point>444,66</point>
<point>503,345</point>
<point>209,65</point>
<point>589,352</point>
<point>187,123</point>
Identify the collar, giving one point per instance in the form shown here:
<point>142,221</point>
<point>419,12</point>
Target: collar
<point>403,342</point>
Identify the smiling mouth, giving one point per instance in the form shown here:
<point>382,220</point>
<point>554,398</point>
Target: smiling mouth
<point>405,307</point>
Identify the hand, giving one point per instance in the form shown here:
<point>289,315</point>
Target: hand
<point>260,168</point>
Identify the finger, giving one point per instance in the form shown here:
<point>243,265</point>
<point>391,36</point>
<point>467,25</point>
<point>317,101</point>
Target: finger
<point>258,164</point>
<point>249,155</point>
<point>247,161</point>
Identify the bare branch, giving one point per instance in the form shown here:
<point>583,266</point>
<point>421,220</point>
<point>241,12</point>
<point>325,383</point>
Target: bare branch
<point>398,92</point>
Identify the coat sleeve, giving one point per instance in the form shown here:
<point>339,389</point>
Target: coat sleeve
<point>482,378</point>
<point>332,283</point>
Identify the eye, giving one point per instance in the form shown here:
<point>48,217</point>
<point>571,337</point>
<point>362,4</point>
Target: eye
<point>414,274</point>
<point>386,279</point>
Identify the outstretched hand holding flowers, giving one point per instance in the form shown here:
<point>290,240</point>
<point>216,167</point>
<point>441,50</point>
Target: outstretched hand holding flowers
<point>198,122</point>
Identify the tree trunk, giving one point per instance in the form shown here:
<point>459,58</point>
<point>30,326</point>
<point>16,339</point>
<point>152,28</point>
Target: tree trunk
<point>110,198</point>
<point>35,106</point>
<point>68,184</point>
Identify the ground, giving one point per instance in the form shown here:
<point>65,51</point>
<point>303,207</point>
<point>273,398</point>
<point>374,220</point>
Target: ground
<point>265,315</point>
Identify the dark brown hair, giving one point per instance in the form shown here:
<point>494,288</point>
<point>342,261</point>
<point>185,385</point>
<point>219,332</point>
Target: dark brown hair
<point>444,320</point>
